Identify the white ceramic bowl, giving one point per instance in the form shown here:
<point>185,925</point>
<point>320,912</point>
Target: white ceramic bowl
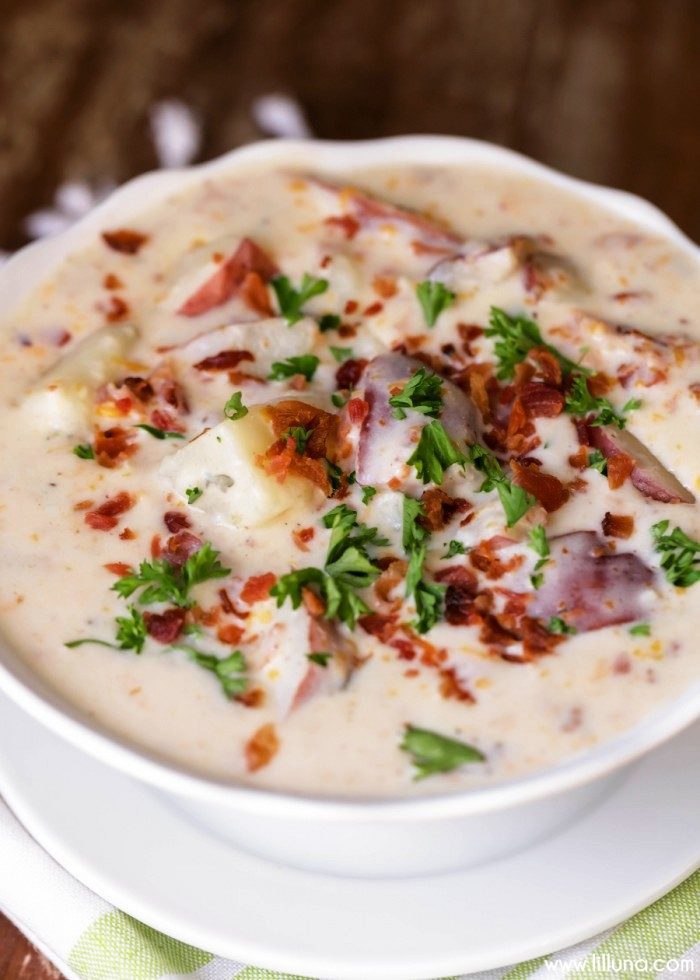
<point>352,837</point>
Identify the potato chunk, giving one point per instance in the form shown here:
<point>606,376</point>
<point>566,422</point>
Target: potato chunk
<point>236,491</point>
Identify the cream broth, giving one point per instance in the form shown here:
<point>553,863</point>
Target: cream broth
<point>443,643</point>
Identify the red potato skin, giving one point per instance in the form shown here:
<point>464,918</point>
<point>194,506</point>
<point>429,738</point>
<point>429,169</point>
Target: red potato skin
<point>648,475</point>
<point>229,278</point>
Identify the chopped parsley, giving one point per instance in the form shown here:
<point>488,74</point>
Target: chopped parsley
<point>300,436</point>
<point>162,582</point>
<point>193,494</point>
<point>596,461</point>
<point>234,409</point>
<point>84,451</point>
<point>641,629</point>
<point>159,433</point>
<point>434,454</point>
<point>322,659</point>
<point>338,400</point>
<point>130,634</point>
<point>229,671</point>
<point>433,753</point>
<point>580,401</point>
<point>341,353</point>
<point>454,548</point>
<point>537,540</point>
<point>434,297</point>
<point>558,625</point>
<point>305,364</point>
<point>428,596</point>
<point>329,321</point>
<point>516,336</point>
<point>421,393</point>
<point>680,555</point>
<point>367,494</point>
<point>291,300</point>
<point>515,501</point>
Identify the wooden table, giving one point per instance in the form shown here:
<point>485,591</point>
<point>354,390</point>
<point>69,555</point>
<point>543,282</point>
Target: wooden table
<point>604,89</point>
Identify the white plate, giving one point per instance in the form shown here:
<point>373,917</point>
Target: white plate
<point>131,847</point>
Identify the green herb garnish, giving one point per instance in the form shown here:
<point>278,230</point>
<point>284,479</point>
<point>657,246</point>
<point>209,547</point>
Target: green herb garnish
<point>537,540</point>
<point>680,555</point>
<point>305,364</point>
<point>434,454</point>
<point>427,596</point>
<point>84,451</point>
<point>454,548</point>
<point>515,501</point>
<point>291,300</point>
<point>130,634</point>
<point>641,629</point>
<point>517,335</point>
<point>421,393</point>
<point>433,753</point>
<point>300,436</point>
<point>234,409</point>
<point>159,433</point>
<point>558,625</point>
<point>193,494</point>
<point>341,353</point>
<point>367,494</point>
<point>434,297</point>
<point>580,401</point>
<point>596,461</point>
<point>229,671</point>
<point>329,321</point>
<point>163,582</point>
<point>338,400</point>
<point>322,659</point>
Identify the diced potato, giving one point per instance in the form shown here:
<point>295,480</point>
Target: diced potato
<point>267,340</point>
<point>60,401</point>
<point>222,463</point>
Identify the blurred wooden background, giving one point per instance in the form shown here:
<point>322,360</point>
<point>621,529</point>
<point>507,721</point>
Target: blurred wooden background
<point>608,90</point>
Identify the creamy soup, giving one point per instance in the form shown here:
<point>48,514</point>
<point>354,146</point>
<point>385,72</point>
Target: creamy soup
<point>368,491</point>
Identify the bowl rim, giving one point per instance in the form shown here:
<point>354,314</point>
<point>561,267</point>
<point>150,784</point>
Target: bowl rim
<point>23,272</point>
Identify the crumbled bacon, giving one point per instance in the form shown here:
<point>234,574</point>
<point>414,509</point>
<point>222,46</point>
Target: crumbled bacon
<point>117,309</point>
<point>548,367</point>
<point>119,568</point>
<point>255,294</point>
<point>313,603</point>
<point>541,400</point>
<point>618,525</point>
<point>350,372</point>
<point>390,578</point>
<point>548,489</point>
<point>176,520</point>
<point>521,437</point>
<point>165,627</point>
<point>156,547</point>
<point>357,409</point>
<point>302,536</point>
<point>484,557</point>
<point>113,445</point>
<point>385,286</point>
<point>282,459</point>
<point>139,388</point>
<point>106,516</point>
<point>127,534</point>
<point>289,413</point>
<point>125,240</point>
<point>348,225</point>
<point>167,389</point>
<point>579,459</point>
<point>439,509</point>
<point>459,600</point>
<point>229,279</point>
<point>469,333</point>
<point>261,747</point>
<point>225,360</point>
<point>452,687</point>
<point>351,307</point>
<point>111,281</point>
<point>620,467</point>
<point>229,633</point>
<point>257,588</point>
<point>379,625</point>
<point>180,547</point>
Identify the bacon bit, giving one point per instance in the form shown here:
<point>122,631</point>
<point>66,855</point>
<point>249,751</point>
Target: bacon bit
<point>348,225</point>
<point>536,638</point>
<point>373,309</point>
<point>391,576</point>
<point>475,379</point>
<point>524,373</point>
<point>288,413</point>
<point>255,294</point>
<point>549,490</point>
<point>165,627</point>
<point>599,384</point>
<point>457,575</point>
<point>282,459</point>
<point>139,388</point>
<point>350,372</point>
<point>180,547</point>
<point>111,281</point>
<point>176,520</point>
<point>579,485</point>
<point>350,307</point>
<point>430,655</point>
<point>439,509</point>
<point>229,278</point>
<point>617,525</point>
<point>314,604</point>
<point>483,558</point>
<point>125,240</point>
<point>620,468</point>
<point>119,568</point>
<point>111,446</point>
<point>117,309</point>
<point>230,633</point>
<point>226,604</point>
<point>257,588</point>
<point>694,390</point>
<point>541,400</point>
<point>156,549</point>
<point>459,602</point>
<point>127,534</point>
<point>302,537</point>
<point>521,437</point>
<point>385,286</point>
<point>622,664</point>
<point>164,420</point>
<point>261,748</point>
<point>422,248</point>
<point>579,459</point>
<point>254,698</point>
<point>469,333</point>
<point>548,366</point>
<point>105,517</point>
<point>225,360</point>
<point>451,686</point>
<point>168,389</point>
<point>357,409</point>
<point>381,626</point>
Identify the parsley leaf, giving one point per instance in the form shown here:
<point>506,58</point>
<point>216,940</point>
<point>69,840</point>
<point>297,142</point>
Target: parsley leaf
<point>159,433</point>
<point>517,335</point>
<point>338,400</point>
<point>84,451</point>
<point>427,596</point>
<point>367,494</point>
<point>229,671</point>
<point>322,659</point>
<point>202,566</point>
<point>422,393</point>
<point>434,453</point>
<point>163,582</point>
<point>300,436</point>
<point>580,401</point>
<point>193,494</point>
<point>234,409</point>
<point>537,539</point>
<point>558,625</point>
<point>681,555</point>
<point>515,501</point>
<point>131,631</point>
<point>433,753</point>
<point>641,629</point>
<point>329,321</point>
<point>454,548</point>
<point>341,353</point>
<point>291,300</point>
<point>433,297</point>
<point>413,534</point>
<point>305,364</point>
<point>596,461</point>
